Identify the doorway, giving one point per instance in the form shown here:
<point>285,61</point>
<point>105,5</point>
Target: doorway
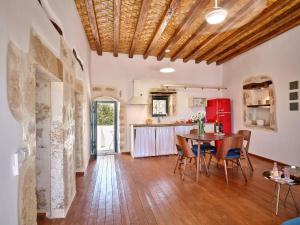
<point>106,126</point>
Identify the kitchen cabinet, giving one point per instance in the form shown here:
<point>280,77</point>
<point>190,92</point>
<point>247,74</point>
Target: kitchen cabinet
<point>155,140</point>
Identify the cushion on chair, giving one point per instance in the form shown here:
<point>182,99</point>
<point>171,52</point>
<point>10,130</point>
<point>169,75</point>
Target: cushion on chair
<point>295,221</point>
<point>206,147</point>
<point>195,150</point>
<point>233,153</point>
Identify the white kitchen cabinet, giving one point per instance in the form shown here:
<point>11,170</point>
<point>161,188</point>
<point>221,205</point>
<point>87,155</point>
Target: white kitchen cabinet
<point>144,142</point>
<point>165,141</point>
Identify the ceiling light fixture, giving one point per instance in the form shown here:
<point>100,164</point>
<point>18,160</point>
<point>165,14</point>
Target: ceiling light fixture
<point>167,50</point>
<point>217,15</point>
<point>167,70</point>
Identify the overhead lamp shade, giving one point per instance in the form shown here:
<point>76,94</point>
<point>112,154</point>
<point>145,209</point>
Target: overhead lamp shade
<point>167,70</point>
<point>216,16</point>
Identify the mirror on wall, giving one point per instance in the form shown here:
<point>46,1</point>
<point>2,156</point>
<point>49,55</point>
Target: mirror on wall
<point>162,102</point>
<point>259,103</point>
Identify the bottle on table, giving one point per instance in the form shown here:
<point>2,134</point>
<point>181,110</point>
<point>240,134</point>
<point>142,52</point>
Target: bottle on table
<point>221,127</point>
<point>216,127</point>
<point>275,172</point>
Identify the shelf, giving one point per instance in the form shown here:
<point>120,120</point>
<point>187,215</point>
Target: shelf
<point>259,106</point>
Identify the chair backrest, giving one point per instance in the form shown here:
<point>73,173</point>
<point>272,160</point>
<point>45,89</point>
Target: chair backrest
<point>232,142</point>
<point>246,135</point>
<point>184,146</point>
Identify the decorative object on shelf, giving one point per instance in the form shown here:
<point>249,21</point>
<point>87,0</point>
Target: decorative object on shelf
<point>259,103</point>
<point>197,102</point>
<point>293,96</point>
<point>200,119</point>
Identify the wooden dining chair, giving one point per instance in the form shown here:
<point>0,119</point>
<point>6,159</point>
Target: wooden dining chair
<point>246,135</point>
<point>179,160</point>
<point>187,153</point>
<point>230,150</point>
<point>206,147</point>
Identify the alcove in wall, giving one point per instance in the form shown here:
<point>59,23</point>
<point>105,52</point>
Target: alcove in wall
<point>259,103</point>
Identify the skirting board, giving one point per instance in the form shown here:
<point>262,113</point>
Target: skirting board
<point>267,159</point>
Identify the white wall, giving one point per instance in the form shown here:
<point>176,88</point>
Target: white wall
<point>16,19</point>
<point>279,59</point>
<point>121,71</point>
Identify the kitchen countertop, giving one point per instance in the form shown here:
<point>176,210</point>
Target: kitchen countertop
<point>162,124</point>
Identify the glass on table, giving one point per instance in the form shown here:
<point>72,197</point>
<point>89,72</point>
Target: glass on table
<point>287,172</point>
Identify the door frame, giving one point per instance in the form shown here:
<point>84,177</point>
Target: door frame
<point>94,124</point>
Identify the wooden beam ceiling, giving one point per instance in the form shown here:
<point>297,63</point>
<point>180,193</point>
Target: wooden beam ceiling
<point>227,25</point>
<point>292,21</point>
<point>117,8</point>
<point>150,27</point>
<point>139,26</point>
<point>169,12</point>
<point>94,26</point>
<point>184,26</point>
<point>234,37</point>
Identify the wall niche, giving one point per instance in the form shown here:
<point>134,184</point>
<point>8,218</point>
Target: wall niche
<point>259,103</point>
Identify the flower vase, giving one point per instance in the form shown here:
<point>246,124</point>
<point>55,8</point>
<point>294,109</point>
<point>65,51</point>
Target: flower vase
<point>200,128</point>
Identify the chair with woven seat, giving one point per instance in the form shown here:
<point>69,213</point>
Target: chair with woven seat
<point>230,150</point>
<point>179,160</point>
<point>246,135</point>
<point>187,153</point>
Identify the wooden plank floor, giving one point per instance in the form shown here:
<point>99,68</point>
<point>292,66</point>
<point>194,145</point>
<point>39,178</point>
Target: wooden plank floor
<point>119,190</point>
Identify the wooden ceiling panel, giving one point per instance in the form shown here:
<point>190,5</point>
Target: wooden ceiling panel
<point>149,27</point>
<point>105,21</point>
<point>154,15</point>
<point>130,11</point>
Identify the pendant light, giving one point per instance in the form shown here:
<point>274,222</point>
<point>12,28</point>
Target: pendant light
<point>167,69</point>
<point>217,15</point>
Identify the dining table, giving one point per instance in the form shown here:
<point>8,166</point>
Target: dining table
<point>200,139</point>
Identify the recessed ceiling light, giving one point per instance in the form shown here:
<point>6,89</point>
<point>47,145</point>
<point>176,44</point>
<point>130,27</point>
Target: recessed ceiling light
<point>217,15</point>
<point>167,70</point>
<point>167,50</point>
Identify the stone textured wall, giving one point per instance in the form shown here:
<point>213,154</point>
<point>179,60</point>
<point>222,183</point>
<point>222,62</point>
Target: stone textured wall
<point>99,91</point>
<point>43,122</point>
<point>56,142</point>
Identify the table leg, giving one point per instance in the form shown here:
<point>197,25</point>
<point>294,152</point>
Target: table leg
<point>278,197</point>
<point>294,200</point>
<point>198,162</point>
<point>205,165</point>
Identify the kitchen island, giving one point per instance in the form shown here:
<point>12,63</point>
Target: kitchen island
<point>156,139</point>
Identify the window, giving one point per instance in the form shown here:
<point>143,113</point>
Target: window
<point>159,106</point>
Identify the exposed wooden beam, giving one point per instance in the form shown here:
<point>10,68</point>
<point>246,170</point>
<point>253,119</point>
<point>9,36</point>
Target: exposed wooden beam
<point>283,28</point>
<point>225,26</point>
<point>169,12</point>
<point>139,26</point>
<point>117,7</point>
<point>93,23</point>
<point>288,15</point>
<point>192,15</point>
<point>241,31</point>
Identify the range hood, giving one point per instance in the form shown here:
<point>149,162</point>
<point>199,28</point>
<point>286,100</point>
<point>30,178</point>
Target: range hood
<point>138,100</point>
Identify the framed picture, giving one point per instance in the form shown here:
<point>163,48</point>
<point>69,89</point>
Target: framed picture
<point>294,106</point>
<point>293,96</point>
<point>294,85</point>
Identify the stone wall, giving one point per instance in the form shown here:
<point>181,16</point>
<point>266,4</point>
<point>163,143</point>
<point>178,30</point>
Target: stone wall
<point>56,142</point>
<point>99,91</point>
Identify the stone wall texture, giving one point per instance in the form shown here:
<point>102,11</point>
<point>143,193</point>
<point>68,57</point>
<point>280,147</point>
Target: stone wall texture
<point>53,129</point>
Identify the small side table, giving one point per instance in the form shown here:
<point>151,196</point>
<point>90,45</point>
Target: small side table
<point>278,183</point>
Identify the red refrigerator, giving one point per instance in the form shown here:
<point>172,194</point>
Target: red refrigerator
<point>219,110</point>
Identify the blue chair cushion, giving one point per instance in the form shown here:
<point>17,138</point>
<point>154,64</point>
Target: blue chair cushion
<point>233,153</point>
<point>206,147</point>
<point>295,221</point>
